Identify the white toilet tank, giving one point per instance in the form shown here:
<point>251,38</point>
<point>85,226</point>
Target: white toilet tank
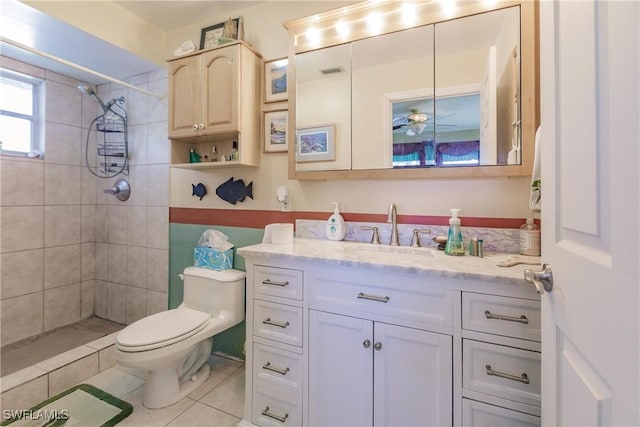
<point>215,292</point>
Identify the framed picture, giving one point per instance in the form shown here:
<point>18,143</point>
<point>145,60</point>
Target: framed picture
<point>315,144</point>
<point>275,131</point>
<point>275,80</point>
<point>221,33</point>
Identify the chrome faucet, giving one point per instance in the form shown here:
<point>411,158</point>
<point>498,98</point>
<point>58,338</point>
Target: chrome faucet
<point>392,218</point>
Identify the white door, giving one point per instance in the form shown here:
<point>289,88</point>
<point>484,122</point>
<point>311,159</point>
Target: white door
<point>590,212</point>
<point>412,377</point>
<point>340,370</point>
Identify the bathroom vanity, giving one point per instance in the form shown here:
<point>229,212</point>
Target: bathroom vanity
<point>347,333</point>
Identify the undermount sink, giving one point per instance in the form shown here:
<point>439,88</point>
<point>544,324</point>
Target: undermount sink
<point>366,248</point>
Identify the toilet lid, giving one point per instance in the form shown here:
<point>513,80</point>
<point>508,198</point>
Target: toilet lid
<point>162,328</point>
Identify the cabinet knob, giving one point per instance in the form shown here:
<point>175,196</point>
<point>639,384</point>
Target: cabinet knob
<point>378,346</point>
<point>201,126</point>
<point>366,344</point>
<point>195,126</point>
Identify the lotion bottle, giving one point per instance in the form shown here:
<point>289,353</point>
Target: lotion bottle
<point>454,239</point>
<point>530,238</point>
<point>336,228</point>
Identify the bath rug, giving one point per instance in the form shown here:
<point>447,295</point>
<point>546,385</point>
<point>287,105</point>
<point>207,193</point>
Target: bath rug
<point>83,405</point>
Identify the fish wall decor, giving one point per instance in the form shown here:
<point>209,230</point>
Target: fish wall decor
<point>199,190</point>
<point>234,191</point>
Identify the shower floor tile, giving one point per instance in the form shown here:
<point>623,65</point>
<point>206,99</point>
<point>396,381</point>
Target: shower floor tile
<point>33,350</point>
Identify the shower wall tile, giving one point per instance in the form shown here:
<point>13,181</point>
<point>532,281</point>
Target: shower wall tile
<point>22,228</point>
<point>63,103</point>
<point>90,110</point>
<point>88,261</point>
<point>100,298</point>
<point>158,108</point>
<point>89,142</point>
<point>139,183</point>
<point>159,74</point>
<point>138,105</point>
<point>102,223</point>
<point>158,270</point>
<point>22,67</point>
<point>89,187</point>
<point>88,224</point>
<point>22,273</point>
<point>158,187</point>
<point>118,224</point>
<point>21,182</point>
<point>61,266</point>
<point>137,225</point>
<point>136,304</point>
<point>137,266</point>
<point>87,298</point>
<point>137,136</point>
<point>158,143</point>
<point>63,144</point>
<point>62,184</point>
<point>138,79</point>
<point>21,317</point>
<point>116,302</point>
<point>156,302</point>
<point>117,264</point>
<point>61,306</point>
<point>62,225</point>
<point>61,78</point>
<point>103,198</point>
<point>102,261</point>
<point>158,227</point>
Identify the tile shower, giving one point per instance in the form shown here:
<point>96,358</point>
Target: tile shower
<point>68,251</point>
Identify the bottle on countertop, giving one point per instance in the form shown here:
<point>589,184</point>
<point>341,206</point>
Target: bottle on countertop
<point>214,154</point>
<point>336,228</point>
<point>234,151</point>
<point>530,238</point>
<point>454,239</point>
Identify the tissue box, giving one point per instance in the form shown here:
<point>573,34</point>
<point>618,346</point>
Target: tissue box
<point>213,259</point>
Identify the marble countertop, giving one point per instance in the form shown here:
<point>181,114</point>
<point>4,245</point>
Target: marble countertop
<point>403,259</point>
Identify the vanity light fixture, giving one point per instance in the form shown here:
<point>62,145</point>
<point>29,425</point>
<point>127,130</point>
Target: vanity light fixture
<point>409,13</point>
<point>343,30</point>
<point>374,23</point>
<point>313,35</point>
<point>448,7</point>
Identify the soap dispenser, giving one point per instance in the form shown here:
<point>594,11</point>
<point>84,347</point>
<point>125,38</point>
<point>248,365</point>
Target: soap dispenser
<point>336,228</point>
<point>454,239</point>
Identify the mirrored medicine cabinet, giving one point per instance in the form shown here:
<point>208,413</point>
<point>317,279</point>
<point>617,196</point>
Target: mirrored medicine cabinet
<point>392,89</point>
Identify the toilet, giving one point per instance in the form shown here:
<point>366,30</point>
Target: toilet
<point>174,345</point>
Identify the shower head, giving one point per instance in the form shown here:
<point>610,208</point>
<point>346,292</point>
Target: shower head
<point>89,91</point>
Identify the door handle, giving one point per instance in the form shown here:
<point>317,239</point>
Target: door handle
<point>542,280</point>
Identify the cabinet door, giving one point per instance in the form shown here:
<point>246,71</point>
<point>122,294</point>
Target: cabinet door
<point>220,70</point>
<point>184,97</point>
<point>340,370</point>
<point>413,383</point>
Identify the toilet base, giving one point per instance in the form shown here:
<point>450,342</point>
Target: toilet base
<point>162,388</point>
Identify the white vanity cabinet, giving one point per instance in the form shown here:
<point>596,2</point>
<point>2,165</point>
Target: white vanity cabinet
<point>337,340</point>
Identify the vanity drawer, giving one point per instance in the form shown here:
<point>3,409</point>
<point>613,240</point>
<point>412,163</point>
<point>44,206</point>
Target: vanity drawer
<point>502,371</point>
<point>277,282</point>
<point>277,322</point>
<point>273,407</point>
<point>384,295</point>
<point>277,367</point>
<point>481,414</point>
<point>512,317</point>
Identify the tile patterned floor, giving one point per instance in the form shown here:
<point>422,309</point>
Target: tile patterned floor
<point>218,402</point>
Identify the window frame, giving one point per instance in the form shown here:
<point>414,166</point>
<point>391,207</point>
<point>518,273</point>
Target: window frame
<point>36,146</point>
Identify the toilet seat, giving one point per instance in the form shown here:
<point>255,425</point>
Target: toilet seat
<point>161,329</point>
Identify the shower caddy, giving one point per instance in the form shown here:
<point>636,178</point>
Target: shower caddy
<point>109,131</point>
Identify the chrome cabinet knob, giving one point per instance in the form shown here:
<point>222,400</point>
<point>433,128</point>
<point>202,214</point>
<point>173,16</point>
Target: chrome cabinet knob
<point>378,346</point>
<point>366,343</point>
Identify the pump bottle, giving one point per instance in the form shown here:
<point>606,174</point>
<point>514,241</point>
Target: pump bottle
<point>454,239</point>
<point>336,228</point>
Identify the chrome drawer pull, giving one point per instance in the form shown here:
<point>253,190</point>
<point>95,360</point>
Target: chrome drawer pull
<point>523,378</point>
<point>268,321</point>
<point>362,295</point>
<point>272,283</point>
<point>281,371</point>
<point>521,319</point>
<point>266,413</point>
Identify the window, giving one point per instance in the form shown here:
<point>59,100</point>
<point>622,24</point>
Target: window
<point>19,113</point>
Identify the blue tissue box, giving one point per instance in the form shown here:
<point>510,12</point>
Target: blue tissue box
<point>213,259</point>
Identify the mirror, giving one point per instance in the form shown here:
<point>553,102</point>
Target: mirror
<point>435,96</point>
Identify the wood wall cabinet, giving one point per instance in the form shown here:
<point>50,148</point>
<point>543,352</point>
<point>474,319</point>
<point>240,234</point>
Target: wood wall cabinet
<point>214,99</point>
